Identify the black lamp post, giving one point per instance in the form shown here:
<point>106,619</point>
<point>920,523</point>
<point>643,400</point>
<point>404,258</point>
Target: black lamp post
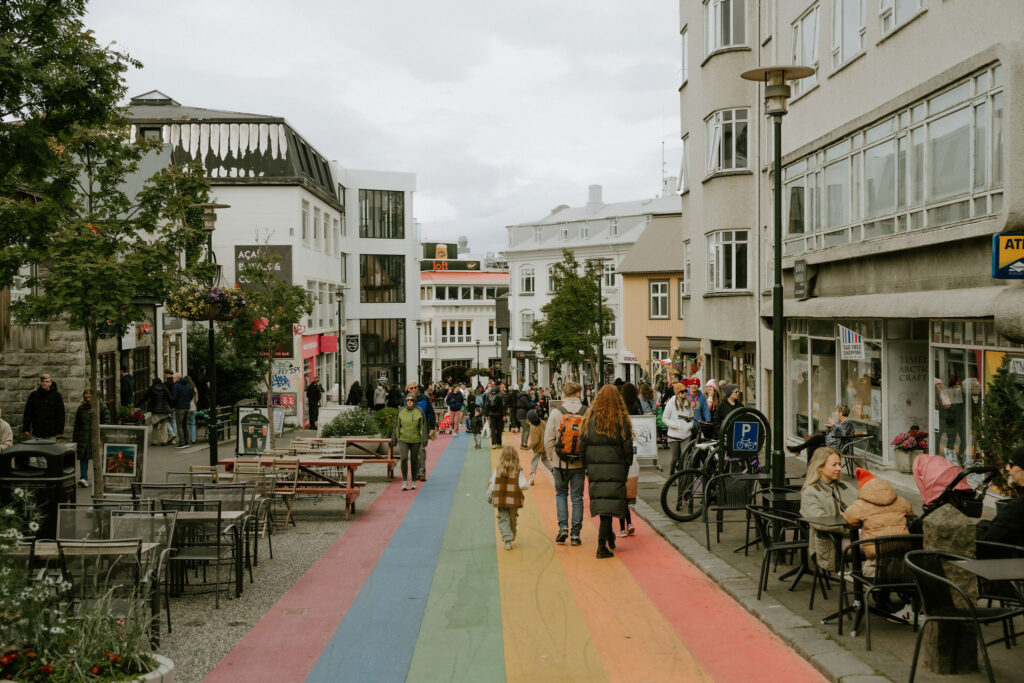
<point>477,363</point>
<point>212,428</point>
<point>776,92</point>
<point>419,354</point>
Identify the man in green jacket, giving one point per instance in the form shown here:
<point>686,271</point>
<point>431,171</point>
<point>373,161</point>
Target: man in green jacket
<point>410,435</point>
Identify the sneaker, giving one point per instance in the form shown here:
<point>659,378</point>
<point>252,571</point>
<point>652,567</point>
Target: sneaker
<point>603,552</point>
<point>905,615</point>
<point>575,540</point>
<point>405,486</point>
<point>184,445</point>
<point>562,535</point>
<point>83,483</point>
<point>630,530</point>
<point>622,534</point>
<point>413,487</point>
<point>532,477</point>
<point>508,545</point>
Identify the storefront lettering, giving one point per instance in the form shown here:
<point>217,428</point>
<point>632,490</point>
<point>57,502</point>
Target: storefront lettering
<point>912,368</point>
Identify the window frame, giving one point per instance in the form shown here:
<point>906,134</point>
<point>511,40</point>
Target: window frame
<point>304,222</point>
<point>800,28</point>
<point>684,167</point>
<point>526,321</point>
<point>840,31</point>
<point>713,22</point>
<point>382,214</point>
<point>889,18</point>
<point>382,294</point>
<point>715,125</point>
<point>527,280</point>
<point>721,255</point>
<point>657,299</point>
<point>687,267</point>
<point>684,39</point>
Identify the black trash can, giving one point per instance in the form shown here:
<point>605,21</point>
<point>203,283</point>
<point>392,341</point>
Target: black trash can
<point>44,468</point>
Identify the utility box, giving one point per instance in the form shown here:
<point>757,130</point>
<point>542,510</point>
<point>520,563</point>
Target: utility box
<point>45,469</point>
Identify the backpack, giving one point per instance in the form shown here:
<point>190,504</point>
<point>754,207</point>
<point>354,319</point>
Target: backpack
<point>567,438</point>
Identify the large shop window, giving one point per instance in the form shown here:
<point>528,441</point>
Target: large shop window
<point>939,161</point>
<point>381,214</point>
<point>382,351</point>
<point>957,400</point>
<point>381,279</point>
<point>862,391</point>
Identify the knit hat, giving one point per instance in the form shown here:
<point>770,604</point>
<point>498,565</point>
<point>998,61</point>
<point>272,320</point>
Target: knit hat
<point>712,383</point>
<point>533,417</point>
<point>1017,458</point>
<point>727,389</point>
<point>863,476</point>
<point>677,387</point>
<point>408,396</point>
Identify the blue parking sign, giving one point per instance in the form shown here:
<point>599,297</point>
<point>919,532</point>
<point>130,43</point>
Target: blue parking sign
<point>745,436</point>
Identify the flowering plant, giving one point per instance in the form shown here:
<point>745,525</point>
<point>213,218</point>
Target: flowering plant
<point>911,440</point>
<point>130,416</point>
<point>207,303</point>
<point>43,640</point>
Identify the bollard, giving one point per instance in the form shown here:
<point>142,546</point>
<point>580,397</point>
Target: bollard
<point>951,648</point>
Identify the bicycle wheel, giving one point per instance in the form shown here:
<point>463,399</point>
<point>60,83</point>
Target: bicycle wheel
<point>682,495</point>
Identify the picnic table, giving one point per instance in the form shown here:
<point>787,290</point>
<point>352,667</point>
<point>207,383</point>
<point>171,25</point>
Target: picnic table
<point>321,482</point>
<point>368,447</point>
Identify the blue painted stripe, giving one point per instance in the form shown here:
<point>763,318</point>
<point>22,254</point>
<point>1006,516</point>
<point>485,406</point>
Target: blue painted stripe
<point>376,639</point>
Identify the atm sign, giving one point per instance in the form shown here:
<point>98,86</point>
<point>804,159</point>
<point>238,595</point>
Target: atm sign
<point>1008,256</point>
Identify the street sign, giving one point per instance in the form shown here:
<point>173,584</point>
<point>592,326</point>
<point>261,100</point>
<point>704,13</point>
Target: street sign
<point>352,343</point>
<point>745,436</point>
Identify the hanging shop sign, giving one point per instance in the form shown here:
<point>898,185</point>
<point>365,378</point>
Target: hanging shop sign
<point>851,344</point>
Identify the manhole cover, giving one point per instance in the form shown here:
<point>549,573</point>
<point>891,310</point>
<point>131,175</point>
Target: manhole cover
<point>295,612</point>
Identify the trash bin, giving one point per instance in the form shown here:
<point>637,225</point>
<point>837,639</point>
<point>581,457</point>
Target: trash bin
<point>47,470</point>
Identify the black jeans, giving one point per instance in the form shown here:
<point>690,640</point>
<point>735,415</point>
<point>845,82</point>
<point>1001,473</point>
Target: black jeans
<point>604,531</point>
<point>811,445</point>
<point>497,427</point>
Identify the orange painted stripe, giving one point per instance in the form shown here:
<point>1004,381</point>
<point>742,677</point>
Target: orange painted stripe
<point>634,640</point>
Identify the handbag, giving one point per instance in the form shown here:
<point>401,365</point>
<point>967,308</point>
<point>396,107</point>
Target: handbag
<point>432,435</point>
<point>633,479</point>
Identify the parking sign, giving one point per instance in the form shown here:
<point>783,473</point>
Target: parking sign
<point>745,436</point>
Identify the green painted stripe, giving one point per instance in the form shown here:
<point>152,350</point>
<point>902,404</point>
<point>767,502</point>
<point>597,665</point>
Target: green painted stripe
<point>460,635</point>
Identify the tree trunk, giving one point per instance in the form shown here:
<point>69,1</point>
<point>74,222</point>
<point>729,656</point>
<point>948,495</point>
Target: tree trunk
<point>97,410</point>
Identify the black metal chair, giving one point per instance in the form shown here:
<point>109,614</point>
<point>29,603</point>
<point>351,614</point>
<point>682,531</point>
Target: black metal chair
<point>82,521</point>
<point>890,572</point>
<point>152,526</point>
<point>725,493</point>
<point>944,600</point>
<point>103,574</point>
<point>780,534</point>
<point>142,491</point>
<point>1005,593</point>
<point>201,542</point>
<point>238,498</point>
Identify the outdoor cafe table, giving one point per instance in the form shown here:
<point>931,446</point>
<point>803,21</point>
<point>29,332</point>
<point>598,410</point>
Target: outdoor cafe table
<point>1000,569</point>
<point>47,550</point>
<point>310,465</point>
<point>338,446</point>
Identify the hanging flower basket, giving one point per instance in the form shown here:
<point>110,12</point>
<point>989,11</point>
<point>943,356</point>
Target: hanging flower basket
<point>207,303</point>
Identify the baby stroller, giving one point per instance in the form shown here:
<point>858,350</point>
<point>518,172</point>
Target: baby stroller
<point>941,482</point>
<point>444,425</point>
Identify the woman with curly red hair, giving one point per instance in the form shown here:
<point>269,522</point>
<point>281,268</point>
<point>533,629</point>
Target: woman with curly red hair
<point>606,447</point>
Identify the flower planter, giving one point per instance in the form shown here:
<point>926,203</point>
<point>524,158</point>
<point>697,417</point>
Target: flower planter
<point>164,672</point>
<point>904,460</point>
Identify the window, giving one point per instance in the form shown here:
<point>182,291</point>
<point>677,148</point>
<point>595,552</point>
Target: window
<point>609,274</point>
<point>725,24</point>
<point>305,221</point>
<point>805,48</point>
<point>381,279</point>
<point>341,200</point>
<point>427,330</point>
<point>584,230</point>
<point>686,268</point>
<point>684,37</point>
<point>526,279</point>
<point>848,27</point>
<point>767,19</point>
<point>894,13</point>
<point>551,279</point>
<point>683,295</point>
<point>684,167</point>
<point>344,266</point>
<point>151,133</point>
<point>565,233</point>
<point>613,227</point>
<point>727,140</point>
<point>536,233</point>
<point>525,324</point>
<point>492,331</point>
<point>658,298</point>
<point>328,233</point>
<point>381,214</point>
<point>456,331</point>
<point>727,261</point>
<point>316,226</point>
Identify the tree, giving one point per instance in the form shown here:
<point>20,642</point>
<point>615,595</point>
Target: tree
<point>571,328</point>
<point>269,322</point>
<point>237,376</point>
<point>1001,428</point>
<point>55,81</point>
<point>105,247</point>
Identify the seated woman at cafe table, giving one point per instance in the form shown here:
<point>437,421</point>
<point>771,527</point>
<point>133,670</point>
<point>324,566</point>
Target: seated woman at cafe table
<point>838,431</point>
<point>1008,526</point>
<point>824,494</point>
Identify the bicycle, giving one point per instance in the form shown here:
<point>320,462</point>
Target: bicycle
<point>692,457</point>
<point>683,493</point>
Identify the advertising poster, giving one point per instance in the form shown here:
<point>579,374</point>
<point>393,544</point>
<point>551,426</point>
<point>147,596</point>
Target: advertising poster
<point>124,455</point>
<point>645,437</point>
<point>254,429</point>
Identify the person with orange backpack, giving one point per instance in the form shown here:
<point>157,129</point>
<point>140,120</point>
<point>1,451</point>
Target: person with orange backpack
<point>562,443</point>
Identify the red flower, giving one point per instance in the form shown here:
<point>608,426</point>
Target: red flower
<point>46,669</point>
<point>93,228</point>
<point>95,670</point>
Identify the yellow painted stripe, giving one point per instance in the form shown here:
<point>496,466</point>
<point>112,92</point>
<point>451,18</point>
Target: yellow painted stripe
<point>634,640</point>
<point>544,633</point>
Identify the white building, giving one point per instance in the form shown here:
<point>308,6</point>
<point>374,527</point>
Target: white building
<point>285,194</point>
<point>458,328</point>
<point>595,231</point>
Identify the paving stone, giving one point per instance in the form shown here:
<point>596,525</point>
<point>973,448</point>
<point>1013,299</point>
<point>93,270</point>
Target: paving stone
<point>840,663</point>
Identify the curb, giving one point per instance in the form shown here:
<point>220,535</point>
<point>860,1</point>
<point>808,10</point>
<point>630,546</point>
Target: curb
<point>825,654</point>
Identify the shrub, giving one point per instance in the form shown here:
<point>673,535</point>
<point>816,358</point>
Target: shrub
<point>356,422</point>
<point>385,419</point>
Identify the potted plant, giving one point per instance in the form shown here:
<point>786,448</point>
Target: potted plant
<point>40,637</point>
<point>907,446</point>
<point>1001,427</point>
<point>200,302</point>
<point>130,416</point>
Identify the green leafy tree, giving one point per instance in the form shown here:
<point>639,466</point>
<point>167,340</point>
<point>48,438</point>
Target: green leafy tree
<point>1001,428</point>
<point>105,245</point>
<point>55,81</point>
<point>572,326</point>
<point>269,322</point>
<point>237,376</point>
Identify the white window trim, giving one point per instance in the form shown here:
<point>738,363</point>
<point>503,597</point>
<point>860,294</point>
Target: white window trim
<point>684,167</point>
<point>712,25</point>
<point>813,14</point>
<point>684,39</point>
<point>838,31</point>
<point>658,299</point>
<point>714,155</point>
<point>716,277</point>
<point>527,273</point>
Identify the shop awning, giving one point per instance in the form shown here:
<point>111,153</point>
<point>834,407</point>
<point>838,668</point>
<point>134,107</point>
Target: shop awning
<point>973,302</point>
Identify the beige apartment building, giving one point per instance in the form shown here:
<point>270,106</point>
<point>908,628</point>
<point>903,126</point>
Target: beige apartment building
<point>898,160</point>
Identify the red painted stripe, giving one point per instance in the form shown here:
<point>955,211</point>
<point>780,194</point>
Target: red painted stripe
<point>730,643</point>
<point>283,647</point>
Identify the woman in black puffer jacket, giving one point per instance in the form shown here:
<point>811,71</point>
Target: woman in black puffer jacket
<point>606,448</point>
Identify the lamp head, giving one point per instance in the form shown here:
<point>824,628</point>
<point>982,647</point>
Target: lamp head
<point>776,91</point>
<point>209,213</point>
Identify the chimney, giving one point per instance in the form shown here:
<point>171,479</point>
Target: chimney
<point>594,203</point>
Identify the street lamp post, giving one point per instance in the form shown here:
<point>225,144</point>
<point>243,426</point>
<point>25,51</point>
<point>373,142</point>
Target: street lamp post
<point>209,222</point>
<point>776,92</point>
<point>477,363</point>
<point>419,355</point>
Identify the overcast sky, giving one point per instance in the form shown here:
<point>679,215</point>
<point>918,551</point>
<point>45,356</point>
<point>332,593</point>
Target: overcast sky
<point>502,110</point>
